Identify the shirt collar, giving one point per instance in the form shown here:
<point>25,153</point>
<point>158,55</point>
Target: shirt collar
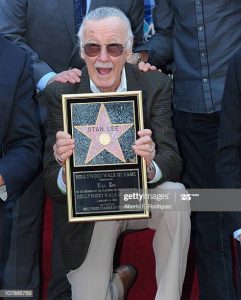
<point>121,88</point>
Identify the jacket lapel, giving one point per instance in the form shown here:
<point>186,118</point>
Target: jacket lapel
<point>84,85</point>
<point>134,80</point>
<point>135,83</point>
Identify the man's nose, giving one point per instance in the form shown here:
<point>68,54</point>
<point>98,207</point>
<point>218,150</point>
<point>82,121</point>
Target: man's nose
<point>103,56</point>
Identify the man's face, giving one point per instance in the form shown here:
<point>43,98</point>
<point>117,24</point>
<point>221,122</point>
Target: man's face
<point>104,69</point>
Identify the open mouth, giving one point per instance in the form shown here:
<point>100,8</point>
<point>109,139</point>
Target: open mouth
<point>104,71</point>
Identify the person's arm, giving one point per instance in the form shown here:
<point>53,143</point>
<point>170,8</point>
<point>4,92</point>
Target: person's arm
<point>55,124</point>
<point>167,156</point>
<point>136,17</point>
<point>14,26</point>
<point>228,162</point>
<point>160,46</point>
<point>21,145</point>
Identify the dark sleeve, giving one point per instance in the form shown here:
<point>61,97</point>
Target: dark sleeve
<point>160,45</point>
<point>228,164</point>
<point>136,17</point>
<point>13,25</point>
<point>167,155</point>
<point>55,124</point>
<point>22,143</point>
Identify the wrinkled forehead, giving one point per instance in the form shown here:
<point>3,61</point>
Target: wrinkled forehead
<point>112,29</point>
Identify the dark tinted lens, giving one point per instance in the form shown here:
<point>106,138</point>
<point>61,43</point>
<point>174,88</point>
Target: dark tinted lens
<point>95,49</point>
<point>92,49</point>
<point>114,49</point>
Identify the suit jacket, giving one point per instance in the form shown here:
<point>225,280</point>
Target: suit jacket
<point>228,163</point>
<point>20,155</point>
<point>156,89</point>
<point>47,29</point>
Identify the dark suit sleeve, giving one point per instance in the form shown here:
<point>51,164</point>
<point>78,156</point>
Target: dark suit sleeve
<point>136,17</point>
<point>229,146</point>
<point>13,25</point>
<point>228,163</point>
<point>167,155</point>
<point>160,46</point>
<point>21,143</point>
<point>55,123</point>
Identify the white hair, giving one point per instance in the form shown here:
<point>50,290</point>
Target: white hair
<point>102,13</point>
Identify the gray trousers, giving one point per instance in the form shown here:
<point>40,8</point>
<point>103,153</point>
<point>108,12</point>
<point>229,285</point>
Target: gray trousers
<point>94,278</point>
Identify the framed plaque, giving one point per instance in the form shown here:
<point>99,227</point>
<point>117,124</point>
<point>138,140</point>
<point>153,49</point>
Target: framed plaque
<point>106,180</point>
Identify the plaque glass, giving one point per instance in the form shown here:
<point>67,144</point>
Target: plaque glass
<point>104,172</point>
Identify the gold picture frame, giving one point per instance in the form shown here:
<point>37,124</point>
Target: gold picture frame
<point>106,180</point>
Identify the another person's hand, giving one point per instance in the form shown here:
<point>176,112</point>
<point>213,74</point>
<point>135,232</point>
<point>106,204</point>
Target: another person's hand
<point>1,180</point>
<point>144,67</point>
<point>144,146</point>
<point>71,76</point>
<point>64,147</point>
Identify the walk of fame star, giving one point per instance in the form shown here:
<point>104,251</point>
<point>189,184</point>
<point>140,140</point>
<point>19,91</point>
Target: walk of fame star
<point>104,135</point>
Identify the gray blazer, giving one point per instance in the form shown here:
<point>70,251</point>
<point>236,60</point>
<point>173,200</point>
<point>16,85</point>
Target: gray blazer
<point>46,28</point>
<point>156,88</point>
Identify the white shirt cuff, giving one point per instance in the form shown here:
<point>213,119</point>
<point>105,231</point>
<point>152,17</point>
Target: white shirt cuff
<point>158,174</point>
<point>3,193</point>
<point>60,182</point>
<point>236,234</point>
<point>41,85</point>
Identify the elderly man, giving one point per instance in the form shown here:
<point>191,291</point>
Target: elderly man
<point>106,44</point>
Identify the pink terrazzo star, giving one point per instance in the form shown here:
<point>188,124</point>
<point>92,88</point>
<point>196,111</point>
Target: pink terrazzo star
<point>104,135</point>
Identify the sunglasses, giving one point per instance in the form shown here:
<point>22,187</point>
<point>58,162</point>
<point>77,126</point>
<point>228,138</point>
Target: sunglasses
<point>113,49</point>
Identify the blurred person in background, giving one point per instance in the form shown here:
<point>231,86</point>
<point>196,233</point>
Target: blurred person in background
<point>194,41</point>
<point>20,147</point>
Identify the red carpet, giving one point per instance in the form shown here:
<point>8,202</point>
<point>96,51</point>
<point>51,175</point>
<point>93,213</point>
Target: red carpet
<point>134,248</point>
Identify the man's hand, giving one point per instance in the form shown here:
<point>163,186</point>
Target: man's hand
<point>63,147</point>
<point>71,76</point>
<point>144,146</point>
<point>146,67</point>
<point>1,180</point>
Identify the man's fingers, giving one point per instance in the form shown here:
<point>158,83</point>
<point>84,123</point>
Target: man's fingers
<point>144,132</point>
<point>62,135</point>
<point>146,67</point>
<point>77,71</point>
<point>144,140</point>
<point>64,149</point>
<point>144,147</point>
<point>65,155</point>
<point>64,146</point>
<point>72,76</point>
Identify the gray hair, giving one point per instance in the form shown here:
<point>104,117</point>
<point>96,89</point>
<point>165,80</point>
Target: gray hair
<point>102,13</point>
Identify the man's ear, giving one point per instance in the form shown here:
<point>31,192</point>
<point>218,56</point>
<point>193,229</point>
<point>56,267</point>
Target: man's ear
<point>82,54</point>
<point>129,49</point>
<point>128,54</point>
